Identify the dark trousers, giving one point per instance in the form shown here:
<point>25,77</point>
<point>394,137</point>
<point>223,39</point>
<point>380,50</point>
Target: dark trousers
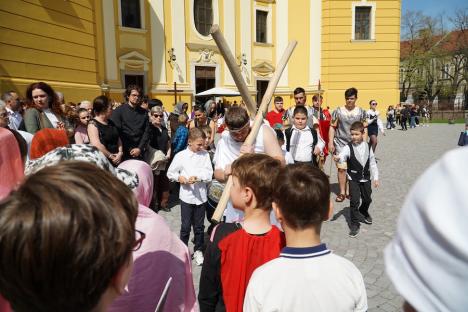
<point>360,192</point>
<point>403,124</point>
<point>192,216</point>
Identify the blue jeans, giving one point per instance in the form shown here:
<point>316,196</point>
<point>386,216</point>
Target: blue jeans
<point>192,215</point>
<point>413,122</point>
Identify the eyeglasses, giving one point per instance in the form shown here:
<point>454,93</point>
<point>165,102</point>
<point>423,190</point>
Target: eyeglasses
<point>140,236</point>
<point>158,115</point>
<point>374,104</point>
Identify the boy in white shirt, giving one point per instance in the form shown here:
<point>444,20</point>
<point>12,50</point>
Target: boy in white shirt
<point>304,143</point>
<point>361,167</point>
<point>307,276</point>
<point>193,170</point>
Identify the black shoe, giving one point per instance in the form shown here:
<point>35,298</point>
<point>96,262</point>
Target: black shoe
<point>368,219</point>
<point>354,232</point>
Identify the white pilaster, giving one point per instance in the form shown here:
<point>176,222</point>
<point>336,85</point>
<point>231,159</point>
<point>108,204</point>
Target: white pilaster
<point>282,36</point>
<point>315,55</point>
<point>230,34</point>
<point>158,46</point>
<point>246,36</point>
<point>109,40</point>
<point>178,40</point>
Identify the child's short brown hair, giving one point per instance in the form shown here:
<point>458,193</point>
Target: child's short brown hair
<point>302,193</point>
<point>357,126</point>
<point>257,171</point>
<point>196,133</point>
<point>64,235</point>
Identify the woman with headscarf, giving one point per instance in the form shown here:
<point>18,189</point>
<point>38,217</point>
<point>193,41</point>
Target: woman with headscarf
<point>180,109</point>
<point>161,256</point>
<point>11,162</point>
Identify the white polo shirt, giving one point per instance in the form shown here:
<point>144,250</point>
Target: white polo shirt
<point>306,279</point>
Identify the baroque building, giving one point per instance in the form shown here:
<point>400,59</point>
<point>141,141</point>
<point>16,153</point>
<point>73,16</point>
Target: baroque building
<point>88,47</point>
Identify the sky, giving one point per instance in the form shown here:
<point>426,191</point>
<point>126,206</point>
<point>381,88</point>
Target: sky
<point>434,7</point>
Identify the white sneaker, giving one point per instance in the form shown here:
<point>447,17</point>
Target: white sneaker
<point>198,257</point>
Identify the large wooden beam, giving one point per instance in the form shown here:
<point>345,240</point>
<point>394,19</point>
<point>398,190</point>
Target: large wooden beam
<point>234,69</point>
<point>218,214</point>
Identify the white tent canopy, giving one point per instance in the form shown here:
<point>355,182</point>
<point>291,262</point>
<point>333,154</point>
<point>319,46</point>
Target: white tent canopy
<point>218,92</point>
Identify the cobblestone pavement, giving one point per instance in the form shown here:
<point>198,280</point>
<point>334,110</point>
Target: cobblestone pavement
<point>402,157</point>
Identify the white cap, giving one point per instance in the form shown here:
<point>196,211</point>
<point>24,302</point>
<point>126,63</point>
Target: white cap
<point>427,260</point>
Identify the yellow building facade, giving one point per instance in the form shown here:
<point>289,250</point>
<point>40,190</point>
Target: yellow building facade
<point>85,48</point>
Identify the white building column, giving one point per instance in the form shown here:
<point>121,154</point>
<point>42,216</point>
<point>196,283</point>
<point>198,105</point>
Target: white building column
<point>110,42</point>
<point>158,46</point>
<point>178,41</point>
<point>282,37</point>
<point>246,36</point>
<point>315,56</point>
<point>230,35</point>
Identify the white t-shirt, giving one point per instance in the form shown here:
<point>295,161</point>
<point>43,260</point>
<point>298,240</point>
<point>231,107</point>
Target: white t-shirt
<point>51,116</point>
<point>227,151</point>
<point>306,279</point>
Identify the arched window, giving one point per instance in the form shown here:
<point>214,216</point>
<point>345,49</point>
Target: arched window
<point>203,16</point>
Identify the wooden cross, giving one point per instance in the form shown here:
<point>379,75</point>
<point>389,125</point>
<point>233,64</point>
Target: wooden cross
<point>251,107</point>
<point>175,92</point>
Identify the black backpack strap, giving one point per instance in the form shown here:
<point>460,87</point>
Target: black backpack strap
<point>288,133</point>
<point>314,135</point>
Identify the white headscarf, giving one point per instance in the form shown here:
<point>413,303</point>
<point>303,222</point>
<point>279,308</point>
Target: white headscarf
<point>427,260</point>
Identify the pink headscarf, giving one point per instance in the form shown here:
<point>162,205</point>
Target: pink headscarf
<point>162,255</point>
<point>11,163</point>
<point>144,190</point>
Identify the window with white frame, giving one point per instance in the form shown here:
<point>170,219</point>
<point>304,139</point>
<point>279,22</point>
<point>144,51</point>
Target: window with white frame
<point>445,72</point>
<point>131,13</point>
<point>203,16</point>
<point>362,23</point>
<point>261,28</point>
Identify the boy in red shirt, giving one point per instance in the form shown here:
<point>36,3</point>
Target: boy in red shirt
<point>235,250</point>
<point>275,116</point>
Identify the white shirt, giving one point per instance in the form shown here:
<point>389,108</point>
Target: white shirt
<point>306,279</point>
<point>228,149</point>
<point>360,151</point>
<point>301,142</point>
<point>51,116</point>
<point>14,118</point>
<point>188,164</point>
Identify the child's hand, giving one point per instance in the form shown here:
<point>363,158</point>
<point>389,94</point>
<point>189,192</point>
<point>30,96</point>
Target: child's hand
<point>183,180</point>
<point>376,183</point>
<point>336,158</point>
<point>192,180</point>
<point>317,150</point>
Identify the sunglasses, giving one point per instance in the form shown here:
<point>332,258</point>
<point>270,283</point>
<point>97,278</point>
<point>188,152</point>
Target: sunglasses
<point>140,236</point>
<point>158,115</point>
<point>374,104</point>
<point>85,117</point>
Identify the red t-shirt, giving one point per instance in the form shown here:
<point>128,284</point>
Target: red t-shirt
<point>241,254</point>
<point>274,117</point>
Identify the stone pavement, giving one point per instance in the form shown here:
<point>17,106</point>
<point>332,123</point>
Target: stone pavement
<point>402,157</point>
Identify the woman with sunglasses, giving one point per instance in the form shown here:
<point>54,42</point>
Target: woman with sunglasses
<point>81,131</point>
<point>374,124</point>
<point>160,140</point>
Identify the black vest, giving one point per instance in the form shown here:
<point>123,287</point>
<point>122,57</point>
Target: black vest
<point>355,170</point>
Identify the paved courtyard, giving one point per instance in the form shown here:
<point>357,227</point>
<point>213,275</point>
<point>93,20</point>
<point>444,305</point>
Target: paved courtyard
<point>402,157</point>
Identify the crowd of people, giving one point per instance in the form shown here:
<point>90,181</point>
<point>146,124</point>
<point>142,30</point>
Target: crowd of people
<point>82,185</point>
<point>412,114</point>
